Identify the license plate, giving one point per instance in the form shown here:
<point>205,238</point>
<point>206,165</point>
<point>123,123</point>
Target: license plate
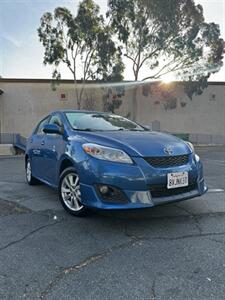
<point>176,180</point>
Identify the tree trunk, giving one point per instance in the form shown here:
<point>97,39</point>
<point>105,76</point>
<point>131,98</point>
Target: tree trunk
<point>78,103</point>
<point>134,103</point>
<point>134,95</point>
<point>76,92</point>
<point>79,100</point>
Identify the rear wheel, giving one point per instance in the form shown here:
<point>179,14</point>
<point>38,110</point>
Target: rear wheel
<point>30,179</point>
<point>69,192</point>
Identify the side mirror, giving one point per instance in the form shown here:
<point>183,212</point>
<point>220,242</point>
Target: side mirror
<point>52,129</point>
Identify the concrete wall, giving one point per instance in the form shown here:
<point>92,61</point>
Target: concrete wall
<point>24,103</point>
<point>204,114</point>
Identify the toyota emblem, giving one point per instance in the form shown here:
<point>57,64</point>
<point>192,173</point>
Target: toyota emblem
<point>168,150</point>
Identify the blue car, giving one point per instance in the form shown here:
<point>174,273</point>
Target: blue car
<point>104,161</point>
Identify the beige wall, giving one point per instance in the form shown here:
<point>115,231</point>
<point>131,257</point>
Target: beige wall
<point>23,104</point>
<point>204,114</point>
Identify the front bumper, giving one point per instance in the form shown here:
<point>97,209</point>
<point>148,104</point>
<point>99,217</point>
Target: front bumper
<point>135,181</point>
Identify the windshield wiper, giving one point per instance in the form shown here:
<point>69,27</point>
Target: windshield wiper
<point>119,129</point>
<point>83,129</point>
<point>136,129</point>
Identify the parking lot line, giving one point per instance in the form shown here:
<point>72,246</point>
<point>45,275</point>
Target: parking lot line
<point>214,161</point>
<point>215,190</point>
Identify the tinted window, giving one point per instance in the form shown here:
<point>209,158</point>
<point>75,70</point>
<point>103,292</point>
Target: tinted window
<point>56,120</point>
<point>100,121</point>
<point>39,129</point>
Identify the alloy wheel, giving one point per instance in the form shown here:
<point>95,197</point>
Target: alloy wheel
<point>70,192</point>
<point>28,172</point>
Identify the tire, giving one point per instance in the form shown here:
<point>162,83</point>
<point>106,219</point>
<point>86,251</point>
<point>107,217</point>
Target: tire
<point>30,179</point>
<point>69,193</point>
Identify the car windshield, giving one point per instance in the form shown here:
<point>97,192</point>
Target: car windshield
<point>100,122</point>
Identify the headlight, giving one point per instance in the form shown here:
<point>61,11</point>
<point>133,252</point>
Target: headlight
<point>197,158</point>
<point>107,153</point>
<point>190,145</point>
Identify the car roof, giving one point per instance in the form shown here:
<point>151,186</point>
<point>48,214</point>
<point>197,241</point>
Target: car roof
<point>78,111</point>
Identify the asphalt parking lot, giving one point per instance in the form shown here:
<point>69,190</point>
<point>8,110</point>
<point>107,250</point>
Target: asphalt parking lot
<point>175,251</point>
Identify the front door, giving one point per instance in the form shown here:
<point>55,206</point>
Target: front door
<point>36,144</point>
<point>54,147</point>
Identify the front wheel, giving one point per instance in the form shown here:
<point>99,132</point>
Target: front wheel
<point>69,193</point>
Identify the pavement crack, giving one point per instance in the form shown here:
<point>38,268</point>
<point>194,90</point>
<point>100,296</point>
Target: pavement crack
<point>153,292</point>
<point>134,239</point>
<point>195,217</point>
<point>140,238</point>
<point>188,236</point>
<point>83,264</point>
<point>27,235</point>
<point>132,236</point>
<point>217,241</point>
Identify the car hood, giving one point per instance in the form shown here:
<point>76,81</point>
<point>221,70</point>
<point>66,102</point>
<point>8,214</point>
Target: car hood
<point>137,143</point>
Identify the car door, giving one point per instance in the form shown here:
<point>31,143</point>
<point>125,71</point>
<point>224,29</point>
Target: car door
<point>54,147</point>
<point>36,143</point>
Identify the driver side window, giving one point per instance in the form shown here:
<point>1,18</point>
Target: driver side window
<point>41,125</point>
<point>56,120</point>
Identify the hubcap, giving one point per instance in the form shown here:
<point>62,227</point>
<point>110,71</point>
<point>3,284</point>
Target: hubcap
<point>28,171</point>
<point>70,191</point>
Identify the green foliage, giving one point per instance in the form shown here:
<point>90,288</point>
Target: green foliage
<point>164,37</point>
<point>195,87</point>
<point>82,42</point>
<point>168,37</point>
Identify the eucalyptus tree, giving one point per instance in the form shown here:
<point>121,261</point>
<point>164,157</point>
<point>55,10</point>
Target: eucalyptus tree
<point>167,37</point>
<point>83,43</point>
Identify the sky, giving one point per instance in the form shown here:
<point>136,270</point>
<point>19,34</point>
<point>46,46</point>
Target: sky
<point>21,53</point>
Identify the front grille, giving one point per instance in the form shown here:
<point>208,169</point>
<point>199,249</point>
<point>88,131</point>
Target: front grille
<point>167,161</point>
<point>162,191</point>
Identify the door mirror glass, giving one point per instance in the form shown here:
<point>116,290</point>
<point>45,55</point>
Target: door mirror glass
<point>52,129</point>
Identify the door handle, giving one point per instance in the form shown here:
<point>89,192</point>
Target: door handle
<point>42,143</point>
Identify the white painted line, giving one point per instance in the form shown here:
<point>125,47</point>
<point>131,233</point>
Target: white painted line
<point>215,190</point>
<point>213,161</point>
<point>215,164</point>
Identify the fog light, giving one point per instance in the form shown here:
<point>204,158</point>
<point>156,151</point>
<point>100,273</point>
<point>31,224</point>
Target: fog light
<point>111,194</point>
<point>103,189</point>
